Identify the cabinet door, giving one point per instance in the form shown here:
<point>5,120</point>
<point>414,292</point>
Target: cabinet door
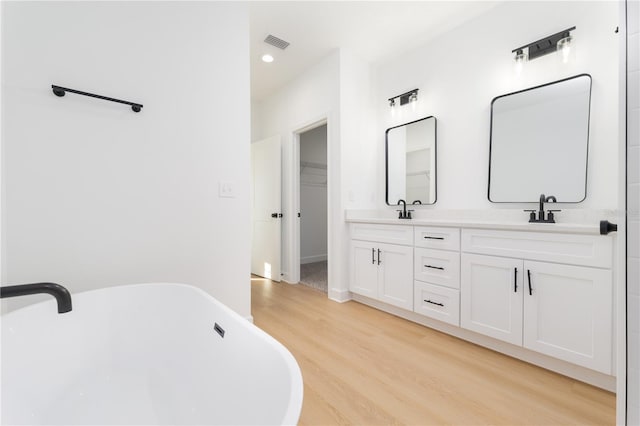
<point>395,275</point>
<point>491,296</point>
<point>569,313</point>
<point>364,268</point>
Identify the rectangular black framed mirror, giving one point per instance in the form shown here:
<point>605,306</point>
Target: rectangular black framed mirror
<point>411,162</point>
<point>539,142</point>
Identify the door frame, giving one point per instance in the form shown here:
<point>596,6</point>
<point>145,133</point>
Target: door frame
<point>295,195</point>
<point>620,241</point>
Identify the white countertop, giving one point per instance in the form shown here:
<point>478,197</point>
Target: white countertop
<point>525,226</point>
<point>588,225</point>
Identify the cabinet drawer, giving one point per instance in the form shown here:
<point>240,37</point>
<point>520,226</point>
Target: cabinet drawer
<point>437,238</point>
<point>437,302</point>
<point>394,234</point>
<point>587,250</point>
<point>437,267</point>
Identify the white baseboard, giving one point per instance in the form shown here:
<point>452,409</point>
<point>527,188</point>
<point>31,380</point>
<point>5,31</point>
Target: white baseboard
<point>286,279</point>
<point>249,318</point>
<point>339,295</point>
<point>313,259</point>
<point>577,372</point>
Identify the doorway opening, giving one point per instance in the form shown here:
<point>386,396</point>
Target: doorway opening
<point>313,206</point>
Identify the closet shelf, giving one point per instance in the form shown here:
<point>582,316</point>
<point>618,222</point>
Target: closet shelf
<point>304,164</point>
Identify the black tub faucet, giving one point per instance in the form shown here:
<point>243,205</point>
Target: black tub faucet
<point>56,290</point>
<point>541,213</point>
<point>404,213</point>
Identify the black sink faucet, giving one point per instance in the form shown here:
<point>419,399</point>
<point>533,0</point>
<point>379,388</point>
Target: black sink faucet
<point>541,213</point>
<point>56,290</point>
<point>404,213</point>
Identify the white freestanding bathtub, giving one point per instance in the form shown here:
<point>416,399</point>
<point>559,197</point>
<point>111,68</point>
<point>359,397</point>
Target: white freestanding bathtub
<point>144,354</point>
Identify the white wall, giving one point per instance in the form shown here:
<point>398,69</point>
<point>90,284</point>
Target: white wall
<point>96,195</point>
<point>358,132</point>
<point>459,73</point>
<point>312,97</point>
<point>313,195</point>
<point>337,87</point>
<point>633,212</point>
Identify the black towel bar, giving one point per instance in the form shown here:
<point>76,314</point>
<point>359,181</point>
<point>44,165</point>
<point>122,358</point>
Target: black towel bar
<point>60,91</point>
<point>606,227</point>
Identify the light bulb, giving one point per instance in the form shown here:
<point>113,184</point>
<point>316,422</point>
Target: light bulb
<point>564,47</point>
<point>267,58</point>
<point>520,59</point>
<point>413,100</point>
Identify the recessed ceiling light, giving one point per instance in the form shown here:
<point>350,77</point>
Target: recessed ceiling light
<point>267,58</point>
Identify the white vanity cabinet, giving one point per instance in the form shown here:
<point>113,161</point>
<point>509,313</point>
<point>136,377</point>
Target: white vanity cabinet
<point>381,270</point>
<point>564,310</point>
<point>545,293</point>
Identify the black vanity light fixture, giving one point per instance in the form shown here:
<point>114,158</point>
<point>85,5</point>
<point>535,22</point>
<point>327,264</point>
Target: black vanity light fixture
<point>61,91</point>
<point>405,98</point>
<point>560,42</point>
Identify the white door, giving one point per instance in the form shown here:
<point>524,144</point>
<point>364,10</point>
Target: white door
<point>491,296</point>
<point>569,313</point>
<point>395,275</point>
<point>266,207</point>
<point>364,268</point>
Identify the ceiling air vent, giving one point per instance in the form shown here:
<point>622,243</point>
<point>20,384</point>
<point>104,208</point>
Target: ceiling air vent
<point>277,42</point>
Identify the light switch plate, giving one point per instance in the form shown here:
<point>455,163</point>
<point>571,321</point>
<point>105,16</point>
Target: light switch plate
<point>226,190</point>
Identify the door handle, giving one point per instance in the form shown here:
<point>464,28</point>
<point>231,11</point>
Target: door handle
<point>379,256</point>
<point>373,256</point>
<point>515,280</point>
<point>529,278</point>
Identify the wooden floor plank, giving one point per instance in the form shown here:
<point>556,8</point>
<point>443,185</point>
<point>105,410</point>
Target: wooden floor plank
<point>366,367</point>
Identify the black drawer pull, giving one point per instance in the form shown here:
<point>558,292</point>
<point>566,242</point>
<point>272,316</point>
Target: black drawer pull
<point>434,303</point>
<point>434,267</point>
<point>379,257</point>
<point>433,238</point>
<point>515,280</point>
<point>529,277</point>
<point>373,256</point>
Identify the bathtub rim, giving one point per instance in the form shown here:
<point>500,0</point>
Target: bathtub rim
<point>294,408</point>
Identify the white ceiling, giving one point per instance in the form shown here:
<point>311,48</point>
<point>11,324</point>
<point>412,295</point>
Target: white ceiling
<point>373,30</point>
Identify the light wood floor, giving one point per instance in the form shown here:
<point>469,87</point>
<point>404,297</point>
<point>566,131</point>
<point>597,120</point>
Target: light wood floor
<point>363,366</point>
